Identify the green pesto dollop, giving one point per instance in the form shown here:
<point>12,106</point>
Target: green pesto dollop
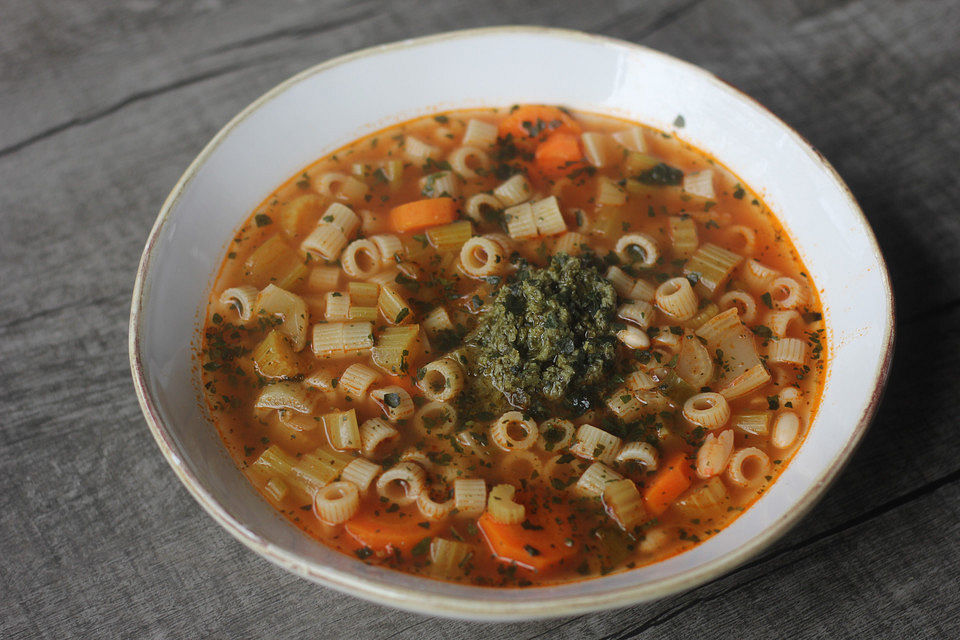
<point>548,339</point>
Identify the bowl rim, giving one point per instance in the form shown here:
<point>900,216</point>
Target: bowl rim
<point>450,606</point>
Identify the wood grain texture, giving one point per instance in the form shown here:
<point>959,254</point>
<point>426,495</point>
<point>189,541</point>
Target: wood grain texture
<point>104,105</point>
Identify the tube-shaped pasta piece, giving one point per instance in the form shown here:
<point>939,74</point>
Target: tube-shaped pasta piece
<point>711,266</point>
<point>708,410</point>
<point>779,321</point>
<point>361,259</point>
<point>274,357</point>
<point>284,395</point>
<point>743,301</point>
<point>321,379</point>
<point>642,291</point>
<point>442,184</point>
<point>357,337</point>
<point>746,234</point>
<point>571,243</point>
<point>299,421</point>
<point>395,345</point>
<point>363,293</point>
<point>501,506</point>
<point>639,380</point>
<point>242,300</point>
<point>433,509</point>
<point>327,340</point>
<point>514,191</point>
<point>703,315</point>
<point>676,298</point>
<point>360,472</point>
<point>596,478</point>
<point>708,497</point>
<point>306,475</point>
<point>714,453</point>
<point>337,306</point>
<point>631,139</point>
<point>435,418</point>
<point>786,351</point>
<point>341,217</point>
<point>389,246</point>
<point>480,205</point>
<point>786,293</point>
<point>337,502</point>
<point>638,248</point>
<point>469,496</point>
<point>513,431</point>
<point>599,148</point>
<point>276,489</point>
<point>747,466</point>
<point>481,257</point>
<point>290,308</point>
<point>755,423</point>
<point>555,434</point>
<point>395,402</point>
<point>323,279</point>
<point>479,133</point>
<point>356,379</point>
<point>520,222</point>
<point>642,453</point>
<point>620,280</point>
<point>699,183</point>
<point>624,504</point>
<point>340,185</point>
<point>595,444</point>
<point>547,217</point>
<point>750,380</point>
<point>441,380</point>
<point>374,434</point>
<point>436,322</point>
<point>756,275</point>
<point>464,159</point>
<point>683,236</point>
<point>623,403</point>
<point>393,306</point>
<point>342,430</point>
<point>694,363</point>
<point>634,338</point>
<point>448,558</point>
<point>450,237</point>
<point>419,150</point>
<point>786,428</point>
<point>326,241</point>
<point>402,483</point>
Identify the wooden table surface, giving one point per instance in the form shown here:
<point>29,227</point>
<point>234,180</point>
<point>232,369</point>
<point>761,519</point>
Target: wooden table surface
<point>103,105</point>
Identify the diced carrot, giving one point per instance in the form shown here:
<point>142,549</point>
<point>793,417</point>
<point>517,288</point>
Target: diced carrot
<point>667,485</point>
<point>534,548</point>
<point>421,214</point>
<point>532,123</point>
<point>387,531</point>
<point>559,154</point>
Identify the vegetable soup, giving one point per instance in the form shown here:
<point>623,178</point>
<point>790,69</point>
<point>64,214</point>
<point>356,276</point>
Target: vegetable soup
<point>513,347</point>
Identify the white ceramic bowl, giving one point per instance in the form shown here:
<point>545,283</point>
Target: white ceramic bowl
<point>335,102</point>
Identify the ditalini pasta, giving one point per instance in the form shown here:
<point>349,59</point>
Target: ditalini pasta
<point>513,347</point>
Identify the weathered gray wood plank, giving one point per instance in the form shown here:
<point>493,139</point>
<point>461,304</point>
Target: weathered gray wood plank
<point>103,106</point>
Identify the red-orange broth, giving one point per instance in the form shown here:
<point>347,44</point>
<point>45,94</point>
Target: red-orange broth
<point>704,373</point>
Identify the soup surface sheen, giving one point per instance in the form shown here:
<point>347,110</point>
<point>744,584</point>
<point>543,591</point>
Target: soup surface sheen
<point>513,347</point>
